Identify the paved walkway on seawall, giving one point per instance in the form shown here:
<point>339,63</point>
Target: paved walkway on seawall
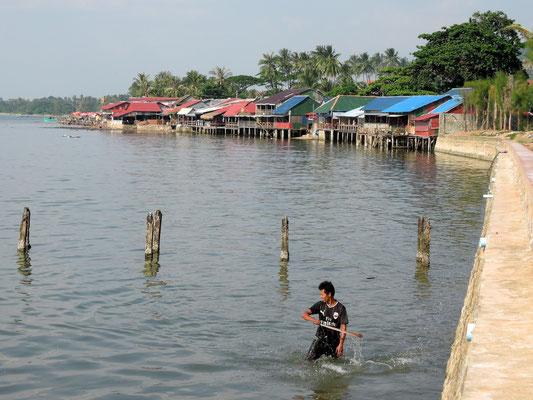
<point>500,360</point>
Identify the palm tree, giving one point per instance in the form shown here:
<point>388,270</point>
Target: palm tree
<point>175,87</point>
<point>220,74</point>
<point>345,73</point>
<point>143,84</point>
<point>194,81</point>
<point>528,35</point>
<point>404,62</point>
<point>391,59</point>
<point>354,63</point>
<point>328,60</point>
<point>377,63</point>
<point>365,66</point>
<point>284,62</point>
<point>268,70</point>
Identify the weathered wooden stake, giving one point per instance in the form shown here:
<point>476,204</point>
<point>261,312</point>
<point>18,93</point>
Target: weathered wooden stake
<point>153,234</point>
<point>424,239</point>
<point>157,231</point>
<point>285,239</point>
<point>149,235</point>
<point>24,235</point>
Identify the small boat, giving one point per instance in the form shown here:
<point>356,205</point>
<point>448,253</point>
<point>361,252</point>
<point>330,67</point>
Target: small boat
<point>48,119</point>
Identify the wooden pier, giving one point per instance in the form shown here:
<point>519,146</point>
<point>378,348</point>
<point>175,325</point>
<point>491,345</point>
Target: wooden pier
<point>341,134</point>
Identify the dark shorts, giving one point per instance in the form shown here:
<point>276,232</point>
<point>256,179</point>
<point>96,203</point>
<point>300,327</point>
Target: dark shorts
<point>322,347</point>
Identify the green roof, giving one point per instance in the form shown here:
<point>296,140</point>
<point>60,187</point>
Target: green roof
<point>343,103</point>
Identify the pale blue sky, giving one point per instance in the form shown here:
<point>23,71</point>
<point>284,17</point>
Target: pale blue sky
<point>96,47</point>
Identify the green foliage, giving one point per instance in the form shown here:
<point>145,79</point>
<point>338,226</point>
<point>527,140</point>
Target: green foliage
<point>56,105</point>
<point>393,82</point>
<point>240,83</point>
<point>346,89</point>
<point>212,89</point>
<point>473,50</point>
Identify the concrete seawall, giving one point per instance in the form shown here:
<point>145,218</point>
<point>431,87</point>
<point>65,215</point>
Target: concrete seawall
<point>468,146</point>
<point>498,362</point>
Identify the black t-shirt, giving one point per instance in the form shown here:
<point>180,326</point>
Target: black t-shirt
<point>332,316</point>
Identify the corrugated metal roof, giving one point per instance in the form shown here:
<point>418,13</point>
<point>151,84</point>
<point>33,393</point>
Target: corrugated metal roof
<point>282,96</point>
<point>139,107</point>
<point>288,105</point>
<point>236,108</point>
<point>113,105</point>
<point>381,103</point>
<point>448,105</point>
<point>427,116</point>
<point>356,112</point>
<point>413,103</point>
<point>343,103</point>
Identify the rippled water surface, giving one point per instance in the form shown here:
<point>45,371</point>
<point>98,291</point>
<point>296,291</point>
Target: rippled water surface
<point>85,318</point>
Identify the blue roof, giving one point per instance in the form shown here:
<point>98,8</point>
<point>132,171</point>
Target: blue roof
<point>381,103</point>
<point>289,104</point>
<point>413,103</point>
<point>447,106</point>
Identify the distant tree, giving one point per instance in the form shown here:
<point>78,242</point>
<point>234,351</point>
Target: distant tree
<point>160,84</point>
<point>393,82</point>
<point>365,66</point>
<point>348,88</point>
<point>473,50</point>
<point>377,63</point>
<point>328,60</point>
<point>240,83</point>
<point>193,82</point>
<point>268,70</point>
<point>220,74</point>
<point>141,85</point>
<point>212,89</point>
<point>390,59</point>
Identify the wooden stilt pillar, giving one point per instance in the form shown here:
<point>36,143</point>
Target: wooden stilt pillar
<point>284,256</point>
<point>424,239</point>
<point>24,234</point>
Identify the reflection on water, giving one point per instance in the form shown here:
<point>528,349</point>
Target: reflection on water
<point>151,267</point>
<point>24,267</point>
<point>284,288</point>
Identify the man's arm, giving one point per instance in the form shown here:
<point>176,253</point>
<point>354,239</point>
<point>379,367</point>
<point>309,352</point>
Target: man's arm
<point>307,316</point>
<point>341,343</point>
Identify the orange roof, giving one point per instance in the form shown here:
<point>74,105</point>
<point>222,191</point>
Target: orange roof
<point>236,108</point>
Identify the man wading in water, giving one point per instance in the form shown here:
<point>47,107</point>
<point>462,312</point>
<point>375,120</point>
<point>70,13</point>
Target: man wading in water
<point>331,313</point>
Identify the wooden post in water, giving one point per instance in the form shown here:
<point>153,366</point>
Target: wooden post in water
<point>149,236</point>
<point>284,239</point>
<point>153,234</point>
<point>424,239</point>
<point>24,235</point>
<point>158,216</point>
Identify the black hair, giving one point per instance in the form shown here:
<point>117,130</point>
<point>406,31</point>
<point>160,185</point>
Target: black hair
<point>328,287</point>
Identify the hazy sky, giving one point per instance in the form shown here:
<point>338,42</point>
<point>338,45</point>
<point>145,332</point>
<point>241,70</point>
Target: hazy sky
<point>96,47</point>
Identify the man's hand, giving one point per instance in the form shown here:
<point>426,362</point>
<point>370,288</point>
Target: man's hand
<point>339,350</point>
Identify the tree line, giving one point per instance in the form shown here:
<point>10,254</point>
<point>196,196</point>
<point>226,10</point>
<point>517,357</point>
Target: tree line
<point>319,69</point>
<point>56,105</point>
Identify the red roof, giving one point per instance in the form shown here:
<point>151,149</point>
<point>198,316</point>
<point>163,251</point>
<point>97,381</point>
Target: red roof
<point>176,109</point>
<point>424,117</point>
<point>234,109</point>
<point>153,99</point>
<point>113,105</point>
<point>139,107</point>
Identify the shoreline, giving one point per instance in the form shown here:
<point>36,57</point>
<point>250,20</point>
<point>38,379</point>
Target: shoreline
<point>498,361</point>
